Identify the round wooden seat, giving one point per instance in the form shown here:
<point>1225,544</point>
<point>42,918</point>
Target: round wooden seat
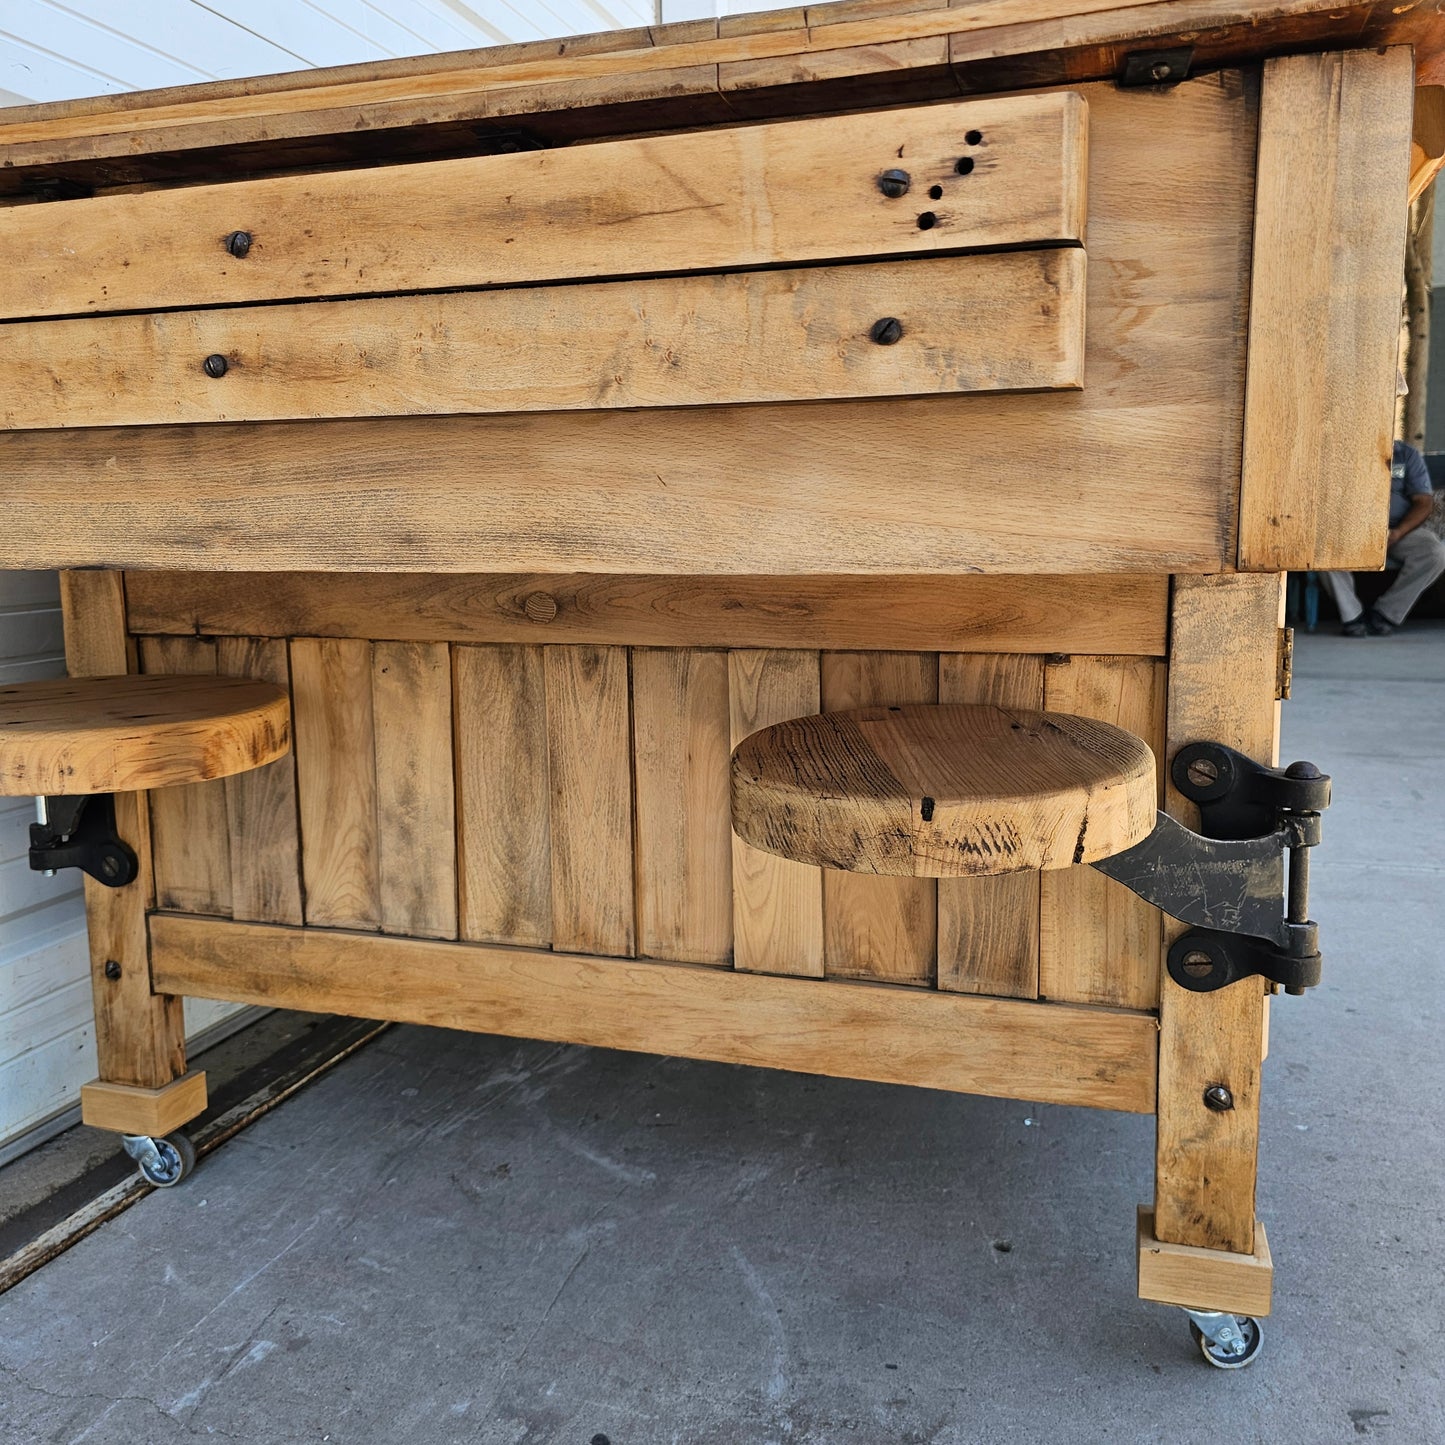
<point>119,734</point>
<point>943,791</point>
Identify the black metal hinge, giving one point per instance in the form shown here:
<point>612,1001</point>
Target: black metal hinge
<point>79,832</point>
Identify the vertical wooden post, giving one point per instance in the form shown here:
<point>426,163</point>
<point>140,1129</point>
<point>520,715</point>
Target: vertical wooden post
<point>1223,666</point>
<point>140,1039</point>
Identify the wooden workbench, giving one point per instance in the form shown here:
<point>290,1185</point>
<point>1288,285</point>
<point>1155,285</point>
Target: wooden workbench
<point>531,415</point>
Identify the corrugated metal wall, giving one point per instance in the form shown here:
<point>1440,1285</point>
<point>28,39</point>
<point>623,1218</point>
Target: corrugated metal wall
<point>55,51</point>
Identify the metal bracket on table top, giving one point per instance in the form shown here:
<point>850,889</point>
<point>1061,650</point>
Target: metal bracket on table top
<point>78,831</point>
<point>1228,880</point>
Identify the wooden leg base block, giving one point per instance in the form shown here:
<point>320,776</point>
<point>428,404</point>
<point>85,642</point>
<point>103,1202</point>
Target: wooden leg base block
<point>1204,1279</point>
<point>130,1109</point>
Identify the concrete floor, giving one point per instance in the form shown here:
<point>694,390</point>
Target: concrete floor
<point>454,1238</point>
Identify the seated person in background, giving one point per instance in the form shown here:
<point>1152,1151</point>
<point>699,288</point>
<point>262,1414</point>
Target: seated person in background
<point>1418,551</point>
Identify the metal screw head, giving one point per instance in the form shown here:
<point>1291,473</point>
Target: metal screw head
<point>1160,70</point>
<point>238,243</point>
<point>1306,771</point>
<point>894,183</point>
<point>112,969</point>
<point>1218,1098</point>
<point>887,331</point>
<point>214,365</point>
<point>1203,773</point>
<point>1197,964</point>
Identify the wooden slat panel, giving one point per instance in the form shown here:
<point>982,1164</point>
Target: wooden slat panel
<point>1324,321</point>
<point>680,767</point>
<point>190,835</point>
<point>411,696</point>
<point>881,928</point>
<point>590,766</point>
<point>1099,943</point>
<point>1006,1047</point>
<point>140,1034</point>
<point>1122,615</point>
<point>1003,322</point>
<point>1221,688</point>
<point>336,780</point>
<point>928,485</point>
<point>265,844</point>
<point>777,904</point>
<point>712,199</point>
<point>988,928</point>
<point>503,805</point>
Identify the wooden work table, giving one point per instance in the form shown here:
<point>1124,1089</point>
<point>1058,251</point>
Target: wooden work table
<point>547,420</point>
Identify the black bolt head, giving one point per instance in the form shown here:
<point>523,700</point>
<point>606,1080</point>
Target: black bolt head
<point>1218,1098</point>
<point>238,243</point>
<point>1306,771</point>
<point>112,969</point>
<point>894,183</point>
<point>887,331</point>
<point>214,365</point>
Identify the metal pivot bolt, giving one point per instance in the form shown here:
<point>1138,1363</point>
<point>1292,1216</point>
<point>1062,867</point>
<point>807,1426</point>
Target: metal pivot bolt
<point>1218,1098</point>
<point>215,365</point>
<point>894,183</point>
<point>238,243</point>
<point>887,331</point>
<point>112,969</point>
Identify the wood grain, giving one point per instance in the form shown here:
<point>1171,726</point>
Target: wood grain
<point>589,756</point>
<point>920,485</point>
<point>988,928</point>
<point>777,904</point>
<point>944,791</point>
<point>190,832</point>
<point>140,1035</point>
<point>1007,322</point>
<point>710,199</point>
<point>1099,943</point>
<point>130,1109</point>
<point>1003,1047</point>
<point>1213,1279</point>
<point>879,928</point>
<point>261,812</point>
<point>411,699</point>
<point>503,800</point>
<point>1221,688</point>
<point>336,781</point>
<point>1329,243</point>
<point>1122,615</point>
<point>680,789</point>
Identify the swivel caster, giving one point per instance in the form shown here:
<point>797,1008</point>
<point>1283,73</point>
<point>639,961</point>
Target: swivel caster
<point>162,1162</point>
<point>1228,1342</point>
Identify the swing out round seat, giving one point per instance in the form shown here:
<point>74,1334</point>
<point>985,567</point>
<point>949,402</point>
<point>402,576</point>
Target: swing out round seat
<point>120,734</point>
<point>940,791</point>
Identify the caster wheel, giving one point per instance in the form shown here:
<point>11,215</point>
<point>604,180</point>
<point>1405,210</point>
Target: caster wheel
<point>1220,1356</point>
<point>175,1158</point>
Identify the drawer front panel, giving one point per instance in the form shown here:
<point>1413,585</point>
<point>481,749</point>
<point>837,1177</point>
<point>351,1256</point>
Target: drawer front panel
<point>1005,322</point>
<point>982,174</point>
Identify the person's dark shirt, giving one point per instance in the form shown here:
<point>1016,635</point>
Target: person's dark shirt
<point>1409,478</point>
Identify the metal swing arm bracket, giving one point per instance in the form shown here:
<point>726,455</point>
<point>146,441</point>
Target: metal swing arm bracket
<point>1228,881</point>
<point>78,831</point>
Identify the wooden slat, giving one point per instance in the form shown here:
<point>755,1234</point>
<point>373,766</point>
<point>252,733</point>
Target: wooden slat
<point>879,928</point>
<point>154,1111</point>
<point>1221,688</point>
<point>1099,943</point>
<point>503,805</point>
<point>988,928</point>
<point>140,1035</point>
<point>336,781</point>
<point>1122,615</point>
<point>1182,1274</point>
<point>590,768</point>
<point>190,835</point>
<point>680,770</point>
<point>1324,321</point>
<point>777,904</point>
<point>265,844</point>
<point>712,199</point>
<point>1005,322</point>
<point>411,698</point>
<point>1005,1047</point>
